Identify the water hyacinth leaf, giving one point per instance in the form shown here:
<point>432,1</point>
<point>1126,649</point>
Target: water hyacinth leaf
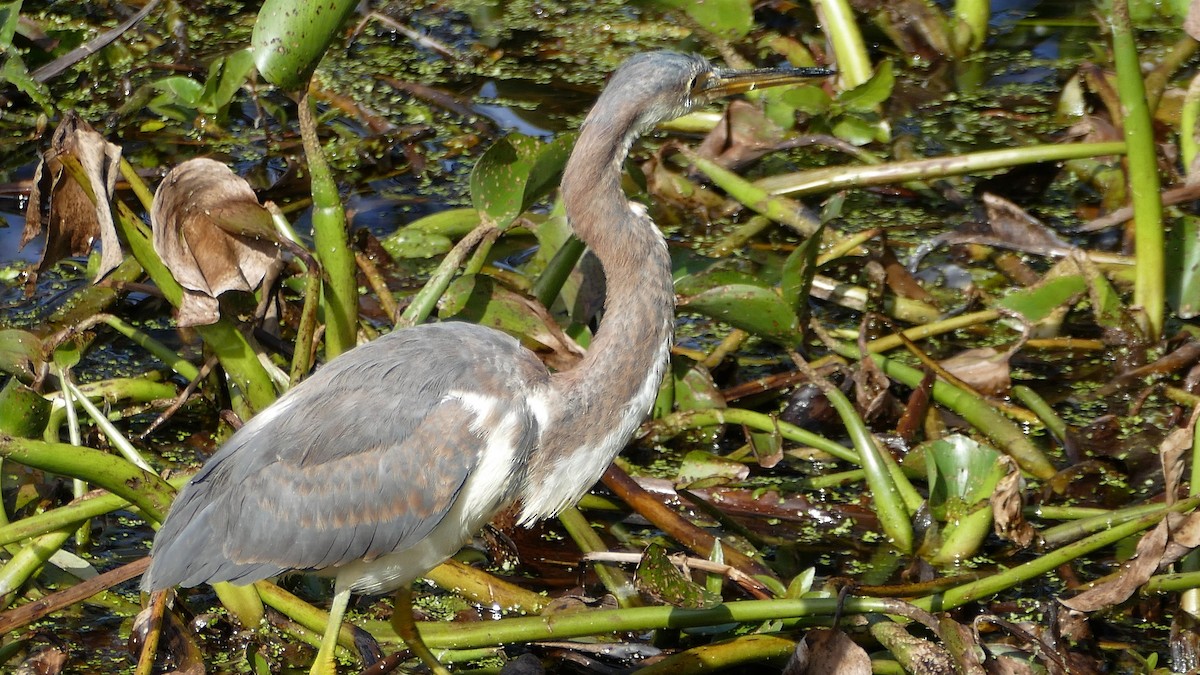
<point>515,172</point>
<point>752,308</point>
<point>23,411</point>
<point>962,473</point>
<point>715,277</point>
<point>414,243</point>
<point>798,272</point>
<point>659,578</point>
<point>730,19</point>
<point>178,97</point>
<point>10,14</point>
<point>700,469</point>
<point>291,36</point>
<point>478,299</point>
<point>70,197</point>
<point>20,353</point>
<point>1183,266</point>
<point>212,233</point>
<point>1038,302</point>
<point>695,388</point>
<point>867,96</point>
<point>226,75</point>
<point>806,98</point>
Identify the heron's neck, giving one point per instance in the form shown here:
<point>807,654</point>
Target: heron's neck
<point>604,397</point>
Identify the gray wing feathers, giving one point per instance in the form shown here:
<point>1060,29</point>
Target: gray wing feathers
<point>362,459</point>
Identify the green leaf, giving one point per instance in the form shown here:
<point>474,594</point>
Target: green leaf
<point>10,14</point>
<point>752,308</point>
<point>514,173</point>
<point>700,469</point>
<point>1183,267</point>
<point>806,98</point>
<point>414,243</point>
<point>855,130</point>
<point>729,19</point>
<point>962,473</point>
<point>291,36</point>
<point>226,75</point>
<point>20,353</point>
<point>712,277</point>
<point>177,99</point>
<point>1036,303</point>
<point>14,72</point>
<point>660,579</point>
<point>798,272</point>
<point>23,411</point>
<point>867,96</point>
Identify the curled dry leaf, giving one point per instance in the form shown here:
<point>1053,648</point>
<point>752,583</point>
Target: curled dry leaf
<point>1135,572</point>
<point>985,369</point>
<point>212,233</point>
<point>73,214</point>
<point>1008,520</point>
<point>827,650</point>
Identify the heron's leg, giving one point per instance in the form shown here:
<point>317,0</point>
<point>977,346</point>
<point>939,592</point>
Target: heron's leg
<point>324,665</point>
<point>402,621</point>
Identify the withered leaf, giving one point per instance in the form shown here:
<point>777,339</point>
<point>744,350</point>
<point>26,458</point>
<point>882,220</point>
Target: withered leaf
<point>743,135</point>
<point>1008,520</point>
<point>826,650</point>
<point>72,214</point>
<point>212,233</point>
<point>985,369</point>
<point>1145,561</point>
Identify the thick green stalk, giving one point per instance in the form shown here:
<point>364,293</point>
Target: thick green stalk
<point>853,63</point>
<point>563,626</point>
<point>1149,286</point>
<point>971,18</point>
<point>890,507</point>
<point>989,421</point>
<point>330,240</point>
<point>145,489</point>
<point>426,299</point>
<point>612,576</point>
<point>674,424</point>
<point>831,179</point>
<point>989,585</point>
<point>164,353</point>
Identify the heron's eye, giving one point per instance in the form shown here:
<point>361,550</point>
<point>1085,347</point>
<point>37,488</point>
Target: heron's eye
<point>698,83</point>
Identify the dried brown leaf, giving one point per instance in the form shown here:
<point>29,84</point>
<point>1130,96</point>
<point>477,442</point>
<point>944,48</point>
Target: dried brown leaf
<point>1008,518</point>
<point>212,233</point>
<point>743,135</point>
<point>1137,571</point>
<point>985,369</point>
<point>825,650</point>
<point>72,214</point>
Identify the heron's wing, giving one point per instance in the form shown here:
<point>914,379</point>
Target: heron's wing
<point>359,461</point>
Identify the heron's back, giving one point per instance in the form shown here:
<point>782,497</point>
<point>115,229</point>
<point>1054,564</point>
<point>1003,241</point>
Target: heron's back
<point>363,459</point>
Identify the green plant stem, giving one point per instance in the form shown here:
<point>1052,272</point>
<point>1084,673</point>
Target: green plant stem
<point>440,635</point>
<point>1189,115</point>
<point>612,576</point>
<point>853,63</point>
<point>724,654</point>
<point>28,561</point>
<point>550,282</point>
<point>1149,286</point>
<point>330,240</point>
<point>889,504</point>
<point>779,209</point>
<point>979,413</point>
<point>482,588</point>
<point>162,352</point>
<point>426,299</point>
<point>989,585</point>
<point>971,17</point>
<point>149,492</point>
<point>1044,412</point>
<point>830,179</point>
<point>665,428</point>
<point>71,515</point>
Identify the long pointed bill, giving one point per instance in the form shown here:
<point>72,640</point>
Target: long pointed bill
<point>729,82</point>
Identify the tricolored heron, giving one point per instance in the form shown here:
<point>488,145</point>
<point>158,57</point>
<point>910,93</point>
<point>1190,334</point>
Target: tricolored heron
<point>382,464</point>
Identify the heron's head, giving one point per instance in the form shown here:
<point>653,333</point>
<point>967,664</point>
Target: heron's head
<point>655,87</point>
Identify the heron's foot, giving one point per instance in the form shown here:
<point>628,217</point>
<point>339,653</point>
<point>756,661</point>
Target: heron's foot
<point>402,621</point>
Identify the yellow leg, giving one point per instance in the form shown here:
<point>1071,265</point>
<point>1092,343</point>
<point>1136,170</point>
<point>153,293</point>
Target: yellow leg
<point>402,621</point>
<point>324,665</point>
